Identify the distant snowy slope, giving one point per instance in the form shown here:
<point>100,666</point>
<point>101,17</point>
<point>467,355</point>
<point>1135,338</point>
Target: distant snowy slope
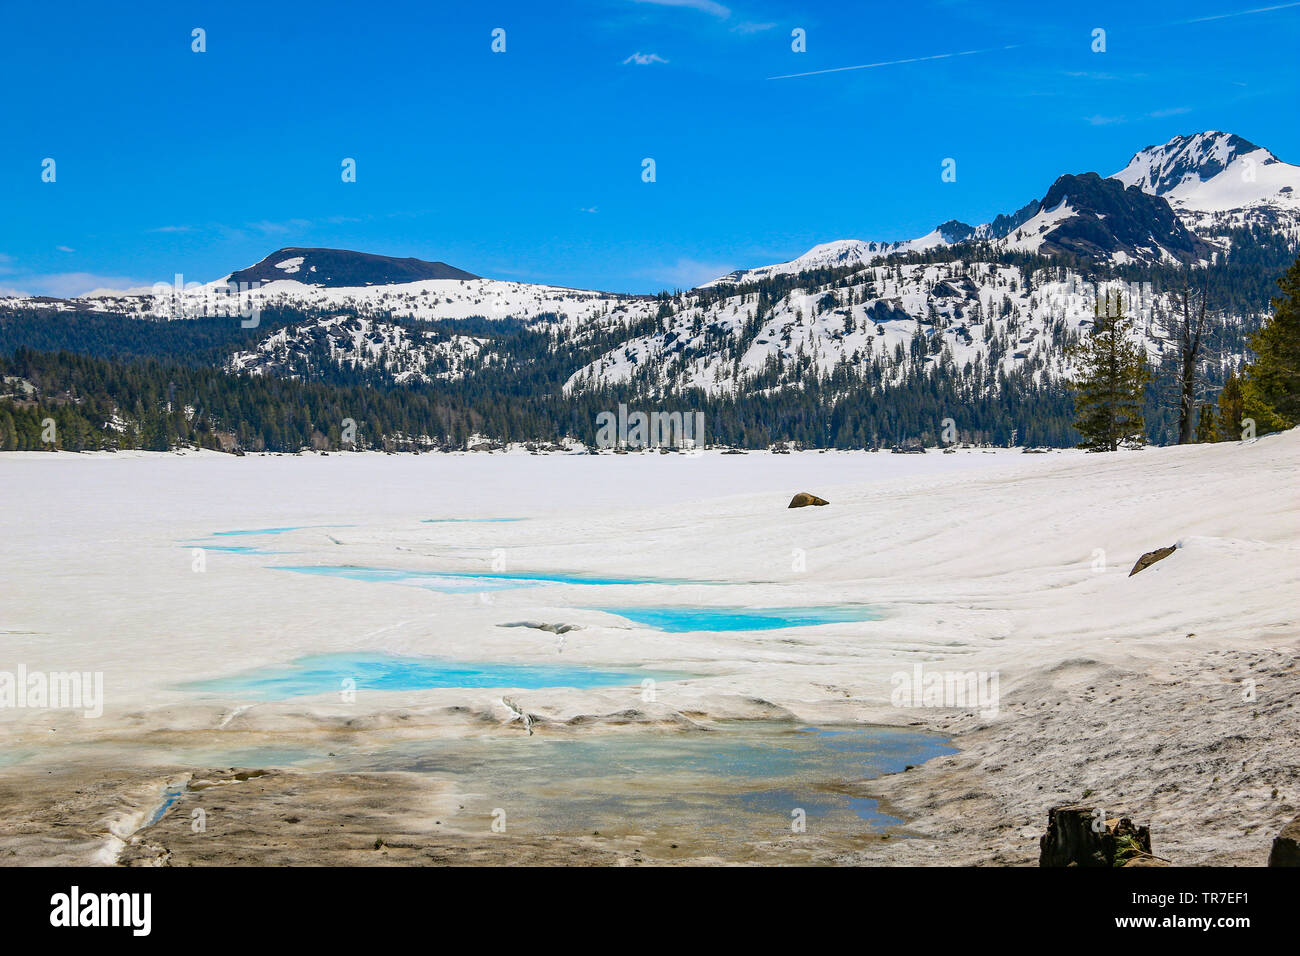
<point>830,255</point>
<point>335,280</point>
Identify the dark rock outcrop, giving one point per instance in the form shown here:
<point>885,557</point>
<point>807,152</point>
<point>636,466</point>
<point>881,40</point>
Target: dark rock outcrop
<point>803,500</point>
<point>888,310</point>
<point>961,287</point>
<point>1151,557</point>
<point>1109,219</point>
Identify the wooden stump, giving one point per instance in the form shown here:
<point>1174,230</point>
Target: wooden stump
<point>1077,836</point>
<point>1286,846</point>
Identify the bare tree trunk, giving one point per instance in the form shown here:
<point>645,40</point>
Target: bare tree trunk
<point>1189,346</point>
<point>1186,399</point>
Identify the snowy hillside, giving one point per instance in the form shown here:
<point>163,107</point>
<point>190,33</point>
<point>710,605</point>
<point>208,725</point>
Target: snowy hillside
<point>350,342</point>
<point>829,255</point>
<point>975,318</point>
<point>428,299</point>
<point>879,324</point>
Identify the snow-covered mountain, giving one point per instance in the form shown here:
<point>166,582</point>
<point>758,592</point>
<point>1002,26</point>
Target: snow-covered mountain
<point>1080,215</point>
<point>1218,181</point>
<point>882,324</point>
<point>1207,183</point>
<point>1213,172</point>
<point>360,284</point>
<point>972,319</point>
<point>1169,203</point>
<point>959,312</point>
<point>1101,219</point>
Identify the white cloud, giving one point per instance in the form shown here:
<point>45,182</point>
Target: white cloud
<point>644,59</point>
<point>704,6</point>
<point>65,248</point>
<point>64,285</point>
<point>267,227</point>
<point>1100,120</point>
<point>61,285</point>
<point>750,27</point>
<point>687,273</point>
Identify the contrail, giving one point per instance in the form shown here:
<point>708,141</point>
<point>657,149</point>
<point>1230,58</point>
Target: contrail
<point>914,59</point>
<point>1242,13</point>
<point>1013,46</point>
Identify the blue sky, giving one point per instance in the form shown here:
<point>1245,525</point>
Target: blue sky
<point>527,164</point>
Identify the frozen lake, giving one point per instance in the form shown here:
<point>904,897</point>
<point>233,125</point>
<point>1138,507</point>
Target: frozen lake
<point>332,673</point>
<point>225,601</point>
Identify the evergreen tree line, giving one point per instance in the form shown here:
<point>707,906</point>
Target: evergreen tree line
<point>115,381</point>
<point>98,403</point>
<point>1114,383</point>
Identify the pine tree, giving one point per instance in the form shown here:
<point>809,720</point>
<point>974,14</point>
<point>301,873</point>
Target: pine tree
<point>155,434</point>
<point>1229,426</point>
<point>1110,381</point>
<point>1206,426</point>
<point>1271,390</point>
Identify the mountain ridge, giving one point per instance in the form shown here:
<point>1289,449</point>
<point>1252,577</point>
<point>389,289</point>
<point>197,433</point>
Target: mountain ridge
<point>342,268</point>
<point>1211,181</point>
<point>1186,196</point>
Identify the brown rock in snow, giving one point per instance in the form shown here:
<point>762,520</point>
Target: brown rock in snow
<point>1151,557</point>
<point>803,500</point>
